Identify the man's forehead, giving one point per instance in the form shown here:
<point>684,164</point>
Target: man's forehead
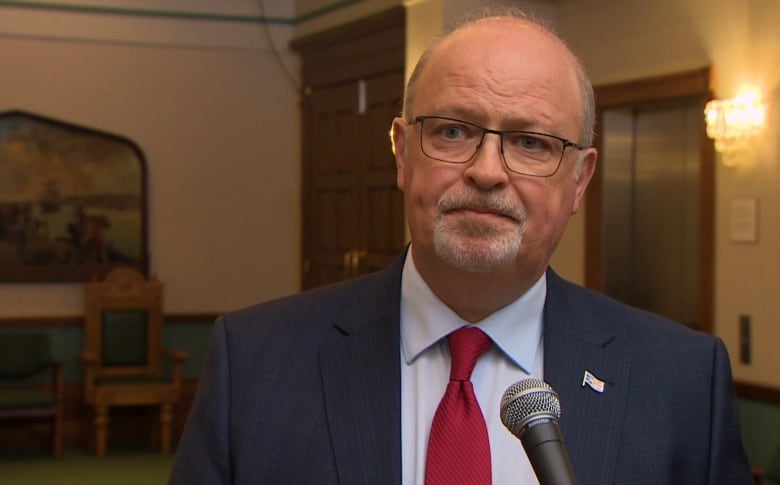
<point>502,72</point>
<point>507,54</point>
<point>498,39</point>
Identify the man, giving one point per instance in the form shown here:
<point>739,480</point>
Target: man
<point>340,385</point>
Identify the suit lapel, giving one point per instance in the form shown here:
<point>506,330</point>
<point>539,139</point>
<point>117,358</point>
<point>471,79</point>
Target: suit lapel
<point>360,365</point>
<point>576,340</point>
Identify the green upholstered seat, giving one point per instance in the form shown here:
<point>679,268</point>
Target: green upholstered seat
<point>31,383</point>
<point>23,354</point>
<point>26,399</point>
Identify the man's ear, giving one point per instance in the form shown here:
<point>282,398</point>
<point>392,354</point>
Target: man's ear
<point>587,169</point>
<point>398,139</point>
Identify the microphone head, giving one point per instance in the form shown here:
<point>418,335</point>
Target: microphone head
<point>526,401</point>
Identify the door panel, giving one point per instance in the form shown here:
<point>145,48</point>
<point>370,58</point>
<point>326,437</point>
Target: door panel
<point>357,209</point>
<point>333,188</point>
<point>382,203</point>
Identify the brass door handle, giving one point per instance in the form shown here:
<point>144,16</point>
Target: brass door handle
<point>351,262</point>
<point>356,257</point>
<point>347,264</point>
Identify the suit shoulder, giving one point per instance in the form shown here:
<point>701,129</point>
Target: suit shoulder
<point>310,309</point>
<point>611,315</point>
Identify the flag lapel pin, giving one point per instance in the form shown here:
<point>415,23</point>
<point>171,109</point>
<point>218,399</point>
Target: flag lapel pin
<point>593,382</point>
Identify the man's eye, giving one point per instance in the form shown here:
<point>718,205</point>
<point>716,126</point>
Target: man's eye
<point>452,132</point>
<point>529,142</point>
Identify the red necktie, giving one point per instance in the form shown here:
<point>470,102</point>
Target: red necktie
<point>458,448</point>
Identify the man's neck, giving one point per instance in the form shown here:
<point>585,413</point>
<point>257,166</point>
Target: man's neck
<point>474,296</point>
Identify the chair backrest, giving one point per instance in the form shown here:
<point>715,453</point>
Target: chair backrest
<point>23,354</point>
<point>123,326</point>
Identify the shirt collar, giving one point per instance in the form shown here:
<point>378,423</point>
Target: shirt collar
<point>516,329</point>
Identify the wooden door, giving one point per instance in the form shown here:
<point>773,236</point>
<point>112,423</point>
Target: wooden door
<point>352,210</point>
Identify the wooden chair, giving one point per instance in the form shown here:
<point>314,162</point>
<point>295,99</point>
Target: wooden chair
<point>31,384</point>
<point>125,362</point>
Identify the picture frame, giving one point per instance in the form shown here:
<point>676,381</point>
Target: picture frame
<point>72,201</point>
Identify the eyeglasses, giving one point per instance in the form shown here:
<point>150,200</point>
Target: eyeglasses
<point>524,152</point>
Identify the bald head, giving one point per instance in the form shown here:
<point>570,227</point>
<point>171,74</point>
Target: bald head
<point>505,33</point>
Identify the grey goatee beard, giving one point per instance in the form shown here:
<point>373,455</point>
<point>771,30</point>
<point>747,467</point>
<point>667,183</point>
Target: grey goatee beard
<point>474,246</point>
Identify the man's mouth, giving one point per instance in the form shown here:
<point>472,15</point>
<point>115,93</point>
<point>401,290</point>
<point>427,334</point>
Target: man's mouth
<point>483,212</point>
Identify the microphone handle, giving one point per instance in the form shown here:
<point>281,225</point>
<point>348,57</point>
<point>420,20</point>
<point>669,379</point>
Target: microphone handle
<point>547,453</point>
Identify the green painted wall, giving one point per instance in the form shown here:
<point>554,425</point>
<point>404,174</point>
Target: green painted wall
<point>68,341</point>
<point>760,431</point>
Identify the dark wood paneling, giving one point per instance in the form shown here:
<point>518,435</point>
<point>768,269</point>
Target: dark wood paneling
<point>352,219</point>
<point>363,48</point>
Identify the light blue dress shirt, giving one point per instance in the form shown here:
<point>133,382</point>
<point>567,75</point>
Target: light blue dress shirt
<point>516,331</point>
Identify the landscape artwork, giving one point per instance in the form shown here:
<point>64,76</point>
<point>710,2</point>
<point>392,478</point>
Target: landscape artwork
<point>72,201</point>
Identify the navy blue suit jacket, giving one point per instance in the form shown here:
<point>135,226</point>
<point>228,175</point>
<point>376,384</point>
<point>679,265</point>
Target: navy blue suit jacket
<point>306,390</point>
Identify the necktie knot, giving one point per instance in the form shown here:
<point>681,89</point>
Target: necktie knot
<point>467,344</point>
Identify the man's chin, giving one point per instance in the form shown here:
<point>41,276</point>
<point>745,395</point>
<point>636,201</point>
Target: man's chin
<point>477,256</point>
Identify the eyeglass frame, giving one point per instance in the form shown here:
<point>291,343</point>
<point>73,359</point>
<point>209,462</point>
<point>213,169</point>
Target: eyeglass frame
<point>566,143</point>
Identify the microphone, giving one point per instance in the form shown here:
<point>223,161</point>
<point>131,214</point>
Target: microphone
<point>530,409</point>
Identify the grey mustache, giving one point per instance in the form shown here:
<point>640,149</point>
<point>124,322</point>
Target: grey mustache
<point>484,203</point>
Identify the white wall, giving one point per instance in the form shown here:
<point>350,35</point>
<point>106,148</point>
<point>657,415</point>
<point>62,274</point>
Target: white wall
<point>217,119</point>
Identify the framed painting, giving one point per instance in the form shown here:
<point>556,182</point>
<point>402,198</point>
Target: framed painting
<point>72,201</point>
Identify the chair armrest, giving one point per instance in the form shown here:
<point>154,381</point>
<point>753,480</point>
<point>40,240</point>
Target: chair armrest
<point>758,475</point>
<point>58,382</point>
<point>177,357</point>
<point>88,358</point>
<point>90,361</point>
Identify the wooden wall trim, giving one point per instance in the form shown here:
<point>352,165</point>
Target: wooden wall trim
<point>78,321</point>
<point>63,321</point>
<point>757,392</point>
<point>683,84</point>
<point>190,317</point>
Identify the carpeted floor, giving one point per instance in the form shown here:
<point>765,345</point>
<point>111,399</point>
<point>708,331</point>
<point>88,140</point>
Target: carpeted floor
<point>120,467</point>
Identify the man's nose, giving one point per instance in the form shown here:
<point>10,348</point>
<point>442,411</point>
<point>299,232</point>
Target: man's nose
<point>486,169</point>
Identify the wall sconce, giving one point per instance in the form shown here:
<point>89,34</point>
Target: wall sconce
<point>732,123</point>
